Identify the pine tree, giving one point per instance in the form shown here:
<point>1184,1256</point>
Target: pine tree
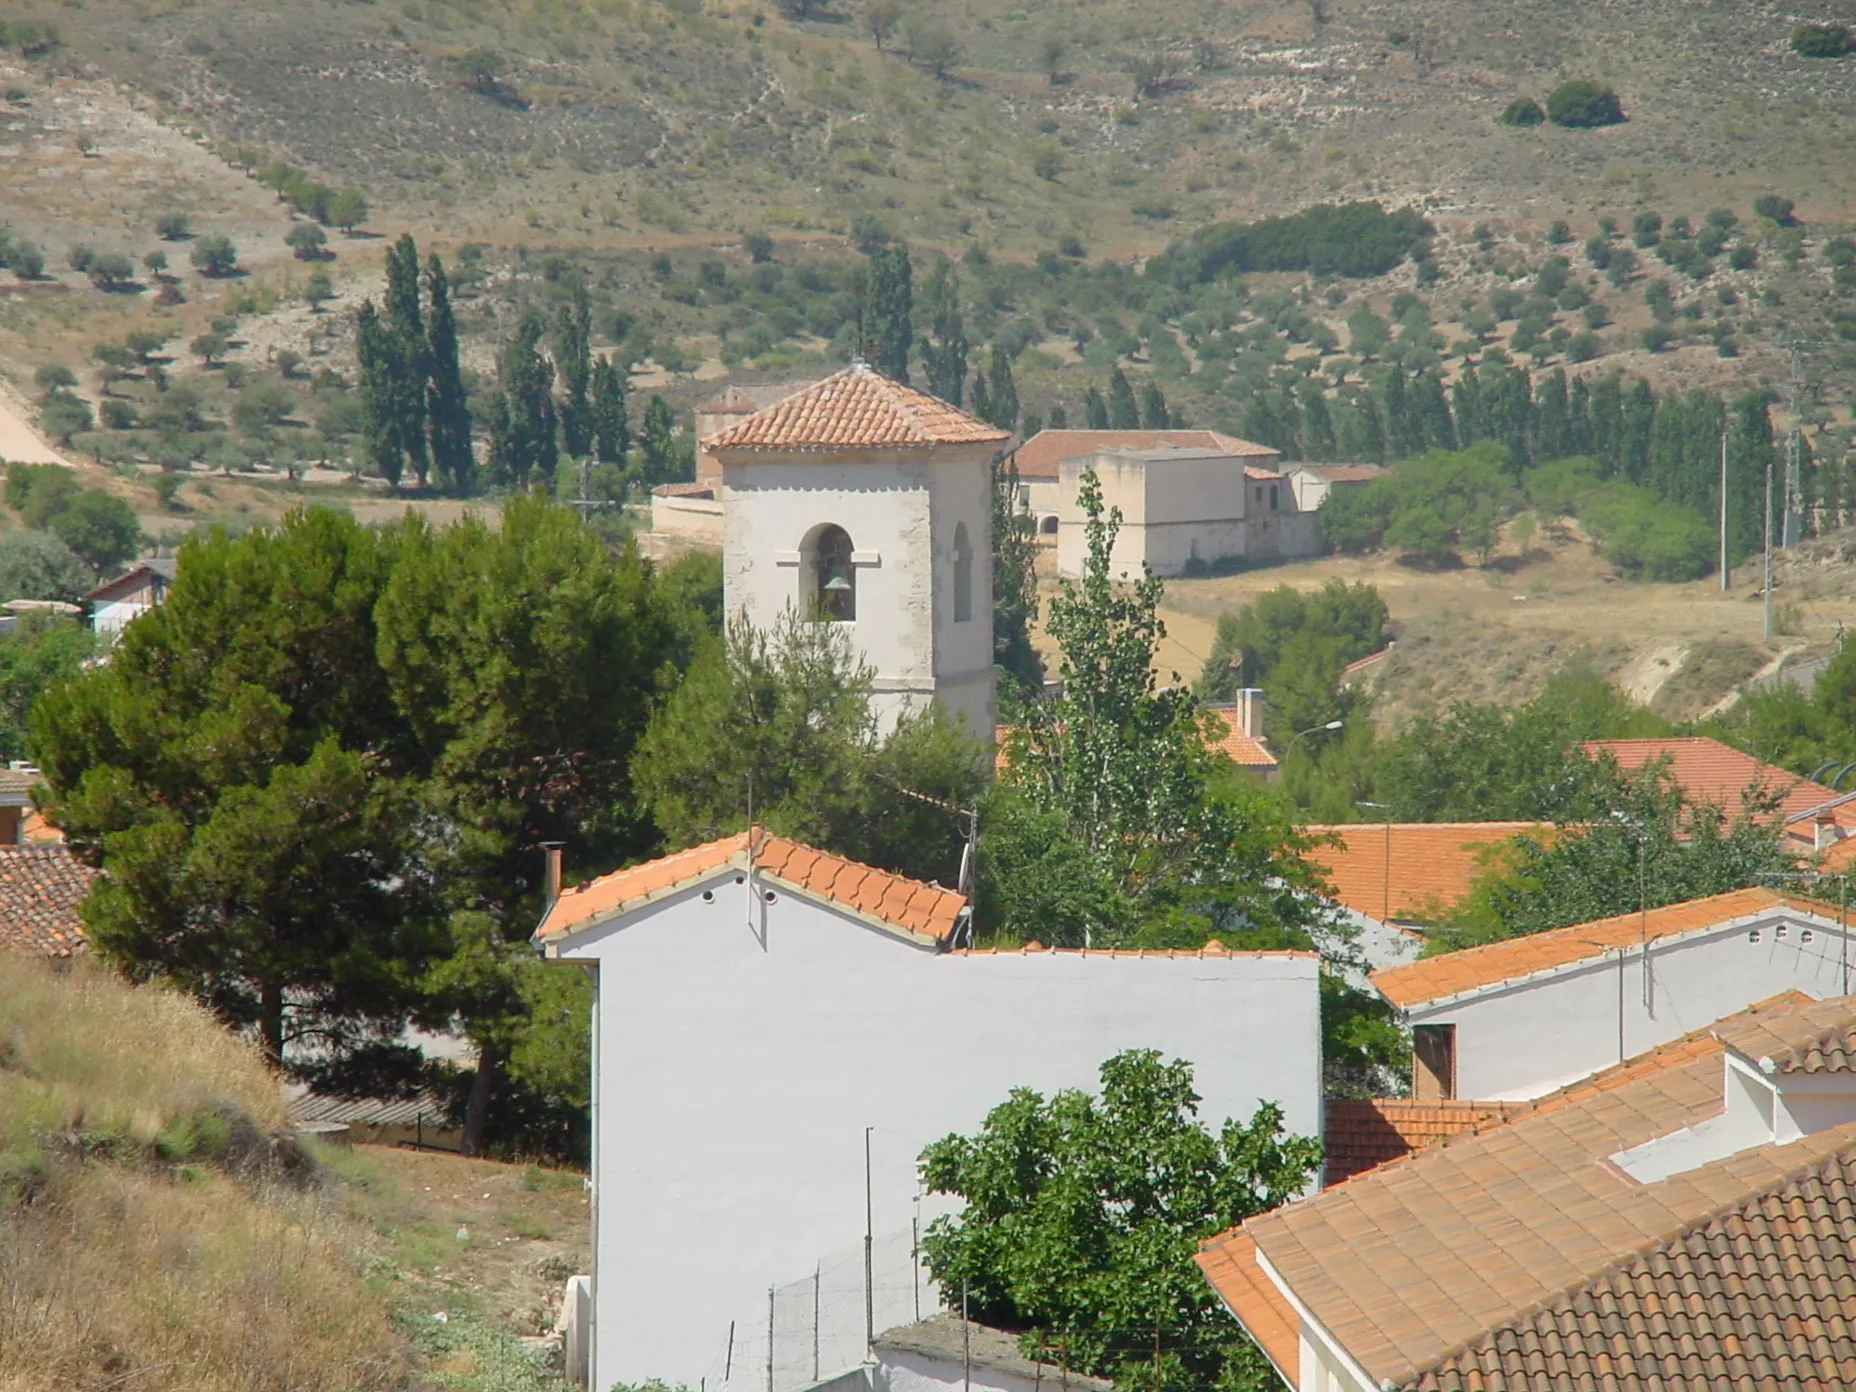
<point>612,434</point>
<point>980,399</point>
<point>1123,412</point>
<point>1360,432</point>
<point>1002,391</point>
<point>944,351</point>
<point>888,307</point>
<point>1509,402</point>
<point>573,340</point>
<point>1095,410</point>
<point>528,442</point>
<point>408,367</point>
<point>375,350</point>
<point>1260,423</point>
<point>1059,418</point>
<point>1153,406</point>
<point>447,416</point>
<point>1751,451</point>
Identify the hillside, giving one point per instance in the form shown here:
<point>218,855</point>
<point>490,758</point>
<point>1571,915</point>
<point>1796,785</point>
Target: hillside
<point>157,1222</point>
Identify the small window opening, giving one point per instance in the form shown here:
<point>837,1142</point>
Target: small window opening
<point>834,578</point>
<point>963,575</point>
<point>1433,1063</point>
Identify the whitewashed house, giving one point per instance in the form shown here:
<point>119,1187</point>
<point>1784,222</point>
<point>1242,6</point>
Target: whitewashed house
<point>867,504</point>
<point>130,595</point>
<point>1182,508</point>
<point>1518,1018</point>
<point>1680,1223</point>
<point>777,1034</point>
<point>1038,461</point>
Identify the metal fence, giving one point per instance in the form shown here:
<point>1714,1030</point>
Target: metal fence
<point>817,1326</point>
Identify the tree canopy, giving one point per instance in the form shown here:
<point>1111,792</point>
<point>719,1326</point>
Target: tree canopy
<point>1083,1214</point>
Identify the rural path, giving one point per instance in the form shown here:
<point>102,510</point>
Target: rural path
<point>19,442</point>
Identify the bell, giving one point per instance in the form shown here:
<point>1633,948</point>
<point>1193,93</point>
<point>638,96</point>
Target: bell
<point>838,585</point>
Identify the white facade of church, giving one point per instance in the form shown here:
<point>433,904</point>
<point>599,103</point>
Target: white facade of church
<point>893,543</point>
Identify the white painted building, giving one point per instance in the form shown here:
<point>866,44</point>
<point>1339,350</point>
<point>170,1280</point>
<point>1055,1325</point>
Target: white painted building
<point>1314,482</point>
<point>776,1039</point>
<point>1181,508</point>
<point>862,502</point>
<point>1519,1018</point>
<point>129,595</point>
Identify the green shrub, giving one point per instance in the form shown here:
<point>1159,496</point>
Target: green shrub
<point>1522,112</point>
<point>1823,40</point>
<point>1581,105</point>
<point>1558,233</point>
<point>1743,257</point>
<point>1774,208</point>
<point>1646,230</point>
<point>1347,239</point>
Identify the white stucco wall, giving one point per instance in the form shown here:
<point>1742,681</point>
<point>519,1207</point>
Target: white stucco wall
<point>900,513</point>
<point>1172,511</point>
<point>916,1372</point>
<point>111,617</point>
<point>1529,1037</point>
<point>742,1049</point>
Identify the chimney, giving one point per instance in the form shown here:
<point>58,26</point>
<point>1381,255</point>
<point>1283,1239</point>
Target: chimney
<point>552,878</point>
<point>1824,832</point>
<point>1250,712</point>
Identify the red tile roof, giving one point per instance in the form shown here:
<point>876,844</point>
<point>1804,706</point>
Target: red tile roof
<point>1039,456</point>
<point>40,890</point>
<point>1518,1257</point>
<point>1243,750</point>
<point>926,913</point>
<point>1342,473</point>
<point>1212,949</point>
<point>1708,771</point>
<point>1429,863</point>
<point>1359,1134</point>
<point>857,408</point>
<point>1453,973</point>
<point>1231,1267</point>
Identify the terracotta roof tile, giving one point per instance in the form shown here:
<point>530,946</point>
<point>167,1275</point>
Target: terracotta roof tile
<point>1211,949</point>
<point>1232,1269</point>
<point>857,408</point>
<point>1240,748</point>
<point>926,911</point>
<point>1452,973</point>
<point>1039,456</point>
<point>1359,1134</point>
<point>1429,863</point>
<point>1473,1247</point>
<point>1709,771</point>
<point>41,887</point>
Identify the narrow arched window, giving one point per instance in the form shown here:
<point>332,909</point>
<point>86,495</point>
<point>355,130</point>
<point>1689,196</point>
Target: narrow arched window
<point>834,578</point>
<point>963,575</point>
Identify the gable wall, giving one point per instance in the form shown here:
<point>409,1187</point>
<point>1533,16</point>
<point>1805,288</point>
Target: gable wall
<point>735,1080</point>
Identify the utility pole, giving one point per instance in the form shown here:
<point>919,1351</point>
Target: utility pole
<point>1768,585</point>
<point>1794,440</point>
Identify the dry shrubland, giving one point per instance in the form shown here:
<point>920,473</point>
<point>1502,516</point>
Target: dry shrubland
<point>152,1229</point>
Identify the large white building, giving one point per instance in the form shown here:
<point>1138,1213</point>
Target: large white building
<point>777,1034</point>
<point>861,502</point>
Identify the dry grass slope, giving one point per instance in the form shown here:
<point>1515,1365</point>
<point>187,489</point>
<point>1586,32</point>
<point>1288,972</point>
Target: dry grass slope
<point>149,1225</point>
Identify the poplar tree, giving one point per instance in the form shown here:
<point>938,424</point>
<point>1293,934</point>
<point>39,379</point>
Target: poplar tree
<point>888,307</point>
<point>1001,392</point>
<point>1123,412</point>
<point>1095,410</point>
<point>659,445</point>
<point>408,371</point>
<point>573,337</point>
<point>944,350</point>
<point>447,416</point>
<point>612,434</point>
<point>1400,443</point>
<point>526,421</point>
<point>374,348</point>
<point>1154,415</point>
